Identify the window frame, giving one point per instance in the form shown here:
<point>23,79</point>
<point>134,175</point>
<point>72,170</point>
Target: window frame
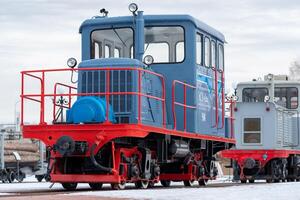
<point>91,46</point>
<point>289,87</point>
<point>211,54</point>
<point>202,47</point>
<point>218,56</point>
<point>268,92</point>
<point>261,131</point>
<point>184,41</point>
<point>209,50</point>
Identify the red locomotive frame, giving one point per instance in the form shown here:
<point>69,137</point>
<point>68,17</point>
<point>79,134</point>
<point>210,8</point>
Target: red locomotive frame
<point>101,134</point>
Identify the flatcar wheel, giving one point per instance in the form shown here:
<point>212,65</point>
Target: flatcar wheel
<point>251,181</point>
<point>142,184</point>
<point>151,184</point>
<point>244,181</point>
<point>203,182</point>
<point>165,183</point>
<point>188,183</point>
<point>11,176</point>
<point>69,186</point>
<point>269,180</point>
<point>118,186</point>
<point>95,186</point>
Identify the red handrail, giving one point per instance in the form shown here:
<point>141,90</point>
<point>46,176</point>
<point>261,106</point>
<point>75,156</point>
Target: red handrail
<point>107,93</point>
<point>223,99</point>
<point>184,104</point>
<point>216,97</point>
<point>231,103</point>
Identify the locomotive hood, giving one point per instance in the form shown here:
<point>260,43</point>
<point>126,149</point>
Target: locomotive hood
<point>111,62</point>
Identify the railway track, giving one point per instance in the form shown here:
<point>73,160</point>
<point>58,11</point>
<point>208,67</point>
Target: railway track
<point>57,191</point>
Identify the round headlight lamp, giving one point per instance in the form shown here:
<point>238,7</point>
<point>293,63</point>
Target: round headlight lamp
<point>72,62</point>
<point>133,7</point>
<point>148,60</point>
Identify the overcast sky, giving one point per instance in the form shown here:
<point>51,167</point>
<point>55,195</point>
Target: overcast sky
<point>263,35</point>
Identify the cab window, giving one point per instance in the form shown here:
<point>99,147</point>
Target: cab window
<point>221,57</point>
<point>165,43</point>
<point>213,54</point>
<point>286,97</point>
<point>114,42</point>
<point>254,94</point>
<point>207,52</point>
<point>199,49</point>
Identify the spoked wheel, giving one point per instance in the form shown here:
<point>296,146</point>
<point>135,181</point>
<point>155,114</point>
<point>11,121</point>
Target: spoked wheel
<point>142,184</point>
<point>202,182</point>
<point>118,186</point>
<point>11,176</point>
<point>95,186</point>
<point>244,181</point>
<point>165,183</point>
<point>69,186</point>
<point>151,184</point>
<point>188,183</point>
<point>269,180</point>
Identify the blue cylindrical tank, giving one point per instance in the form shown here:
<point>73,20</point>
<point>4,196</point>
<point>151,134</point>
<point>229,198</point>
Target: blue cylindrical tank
<point>89,109</point>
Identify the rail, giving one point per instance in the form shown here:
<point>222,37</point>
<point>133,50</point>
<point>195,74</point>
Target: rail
<point>40,97</point>
<point>184,104</point>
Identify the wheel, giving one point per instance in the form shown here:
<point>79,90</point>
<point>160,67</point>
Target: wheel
<point>244,181</point>
<point>203,182</point>
<point>251,181</point>
<point>11,176</point>
<point>39,178</point>
<point>69,186</point>
<point>118,186</point>
<point>165,183</point>
<point>151,184</point>
<point>269,180</point>
<point>188,183</point>
<point>142,184</point>
<point>95,186</point>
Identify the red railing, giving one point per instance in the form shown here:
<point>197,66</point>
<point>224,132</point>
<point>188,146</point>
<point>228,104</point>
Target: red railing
<point>217,98</point>
<point>184,104</point>
<point>40,98</point>
<point>231,103</point>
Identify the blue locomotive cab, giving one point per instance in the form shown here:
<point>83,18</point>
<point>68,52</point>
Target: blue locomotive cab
<point>180,48</point>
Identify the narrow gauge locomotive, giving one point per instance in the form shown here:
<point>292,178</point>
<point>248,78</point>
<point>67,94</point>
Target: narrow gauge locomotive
<point>267,130</point>
<point>149,104</point>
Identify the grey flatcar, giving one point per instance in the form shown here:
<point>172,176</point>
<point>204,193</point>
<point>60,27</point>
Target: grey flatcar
<point>266,126</point>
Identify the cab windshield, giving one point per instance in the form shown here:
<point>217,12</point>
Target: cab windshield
<point>254,94</point>
<point>164,43</point>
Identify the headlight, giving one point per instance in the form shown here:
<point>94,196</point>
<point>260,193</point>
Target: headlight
<point>71,62</point>
<point>270,77</point>
<point>148,60</point>
<point>133,7</point>
<point>235,98</point>
<point>267,98</point>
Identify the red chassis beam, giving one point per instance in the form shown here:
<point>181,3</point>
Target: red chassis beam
<point>95,132</point>
<point>101,134</point>
<point>263,155</point>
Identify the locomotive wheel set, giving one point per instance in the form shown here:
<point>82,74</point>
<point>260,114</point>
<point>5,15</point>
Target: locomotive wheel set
<point>148,105</point>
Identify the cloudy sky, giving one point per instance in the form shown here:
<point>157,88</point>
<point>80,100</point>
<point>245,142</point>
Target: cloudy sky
<point>263,35</point>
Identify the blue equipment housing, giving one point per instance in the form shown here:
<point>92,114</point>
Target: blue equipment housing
<point>89,109</point>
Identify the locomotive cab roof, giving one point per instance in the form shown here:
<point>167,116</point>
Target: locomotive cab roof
<point>98,21</point>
